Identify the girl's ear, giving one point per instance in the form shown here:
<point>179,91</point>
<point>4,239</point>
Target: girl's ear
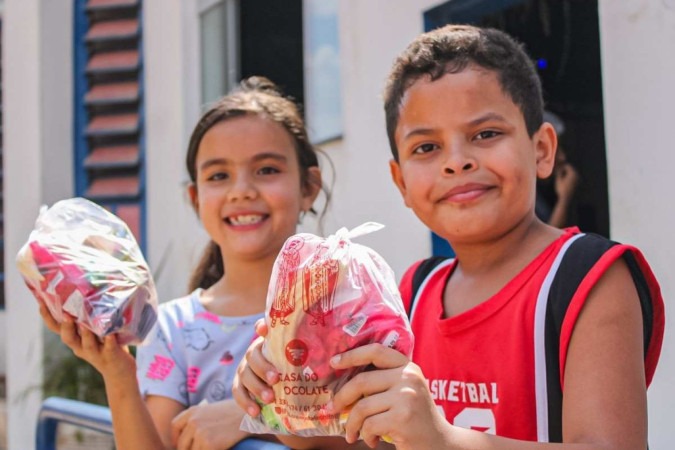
<point>312,188</point>
<point>545,144</point>
<point>194,199</point>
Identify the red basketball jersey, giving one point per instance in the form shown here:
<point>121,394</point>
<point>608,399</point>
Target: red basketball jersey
<point>486,368</point>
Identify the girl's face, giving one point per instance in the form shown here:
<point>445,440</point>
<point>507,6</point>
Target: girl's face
<point>467,166</point>
<point>248,192</point>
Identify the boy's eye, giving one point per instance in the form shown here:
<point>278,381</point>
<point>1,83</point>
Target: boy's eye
<point>424,148</point>
<point>268,170</point>
<point>487,134</point>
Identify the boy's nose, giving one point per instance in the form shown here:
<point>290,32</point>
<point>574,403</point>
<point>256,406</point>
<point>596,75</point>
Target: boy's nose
<point>458,161</point>
<point>467,167</point>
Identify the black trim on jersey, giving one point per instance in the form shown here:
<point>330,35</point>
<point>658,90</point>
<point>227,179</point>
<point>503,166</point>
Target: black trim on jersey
<point>580,257</point>
<point>420,275</point>
<point>646,301</point>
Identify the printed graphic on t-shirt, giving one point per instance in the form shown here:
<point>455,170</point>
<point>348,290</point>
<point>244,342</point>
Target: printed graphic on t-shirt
<point>227,358</point>
<point>160,368</point>
<point>197,338</point>
<point>193,378</point>
<point>217,391</point>
<point>209,316</point>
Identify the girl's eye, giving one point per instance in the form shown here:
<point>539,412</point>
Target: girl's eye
<point>268,170</point>
<point>487,134</point>
<point>425,148</point>
<point>218,176</point>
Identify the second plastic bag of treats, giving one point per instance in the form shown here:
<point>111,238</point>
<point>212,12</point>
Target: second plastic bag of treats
<point>326,296</point>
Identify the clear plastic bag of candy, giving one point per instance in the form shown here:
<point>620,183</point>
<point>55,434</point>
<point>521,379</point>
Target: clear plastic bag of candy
<point>326,296</point>
<point>83,261</point>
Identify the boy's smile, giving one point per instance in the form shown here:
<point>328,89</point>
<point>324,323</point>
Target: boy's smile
<point>467,166</point>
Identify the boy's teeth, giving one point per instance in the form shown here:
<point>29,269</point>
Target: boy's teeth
<point>246,220</point>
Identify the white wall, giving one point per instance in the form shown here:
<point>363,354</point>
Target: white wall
<point>175,238</point>
<point>372,33</point>
<point>638,44</point>
<point>37,68</point>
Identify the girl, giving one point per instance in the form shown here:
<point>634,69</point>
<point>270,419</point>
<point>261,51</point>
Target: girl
<point>253,173</point>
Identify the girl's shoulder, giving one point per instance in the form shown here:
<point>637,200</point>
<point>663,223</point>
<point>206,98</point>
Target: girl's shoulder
<point>181,308</point>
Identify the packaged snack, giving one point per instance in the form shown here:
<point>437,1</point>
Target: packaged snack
<point>83,261</point>
<point>326,296</point>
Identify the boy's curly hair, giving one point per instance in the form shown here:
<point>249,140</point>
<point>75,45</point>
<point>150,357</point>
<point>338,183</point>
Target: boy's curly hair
<point>451,49</point>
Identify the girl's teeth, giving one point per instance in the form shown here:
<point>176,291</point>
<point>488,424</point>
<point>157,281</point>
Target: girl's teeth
<point>246,220</point>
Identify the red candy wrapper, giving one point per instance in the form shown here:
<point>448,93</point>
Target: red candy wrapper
<point>83,261</point>
<point>326,296</point>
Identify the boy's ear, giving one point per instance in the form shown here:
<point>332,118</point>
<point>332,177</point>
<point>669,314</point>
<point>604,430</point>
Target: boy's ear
<point>194,199</point>
<point>312,188</point>
<point>545,142</point>
<point>397,177</point>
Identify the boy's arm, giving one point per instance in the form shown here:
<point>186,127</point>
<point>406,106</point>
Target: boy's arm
<point>604,393</point>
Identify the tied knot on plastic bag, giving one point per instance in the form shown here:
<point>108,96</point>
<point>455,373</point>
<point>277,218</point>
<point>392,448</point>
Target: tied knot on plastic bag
<point>326,296</point>
<point>83,261</point>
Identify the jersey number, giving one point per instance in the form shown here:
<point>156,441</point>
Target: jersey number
<point>479,419</point>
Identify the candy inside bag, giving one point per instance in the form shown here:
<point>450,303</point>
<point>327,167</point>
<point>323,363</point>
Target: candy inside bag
<point>326,296</point>
<point>82,260</point>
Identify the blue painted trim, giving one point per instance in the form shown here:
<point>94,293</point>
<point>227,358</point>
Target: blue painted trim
<point>80,140</point>
<point>80,58</point>
<point>441,247</point>
<point>98,418</point>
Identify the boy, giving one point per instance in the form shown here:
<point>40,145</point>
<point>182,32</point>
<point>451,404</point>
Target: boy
<point>464,119</point>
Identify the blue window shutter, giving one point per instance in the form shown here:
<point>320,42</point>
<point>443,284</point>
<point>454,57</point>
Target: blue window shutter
<point>109,127</point>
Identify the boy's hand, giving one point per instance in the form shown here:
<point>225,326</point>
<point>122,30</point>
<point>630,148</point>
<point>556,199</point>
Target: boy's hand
<point>212,426</point>
<point>111,359</point>
<point>394,401</point>
<point>255,375</point>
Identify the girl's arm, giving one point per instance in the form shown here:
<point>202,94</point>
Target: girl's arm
<point>134,425</point>
<point>604,400</point>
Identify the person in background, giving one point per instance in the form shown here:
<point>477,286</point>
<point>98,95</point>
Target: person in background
<point>555,195</point>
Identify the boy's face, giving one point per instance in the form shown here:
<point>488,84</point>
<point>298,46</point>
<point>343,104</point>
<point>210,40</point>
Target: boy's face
<point>467,166</point>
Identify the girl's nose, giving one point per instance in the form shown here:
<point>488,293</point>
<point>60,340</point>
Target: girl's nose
<point>242,189</point>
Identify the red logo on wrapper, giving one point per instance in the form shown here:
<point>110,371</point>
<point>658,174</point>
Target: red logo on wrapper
<point>296,352</point>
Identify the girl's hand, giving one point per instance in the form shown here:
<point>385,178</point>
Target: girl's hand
<point>212,426</point>
<point>112,360</point>
<point>393,401</point>
<point>255,375</point>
